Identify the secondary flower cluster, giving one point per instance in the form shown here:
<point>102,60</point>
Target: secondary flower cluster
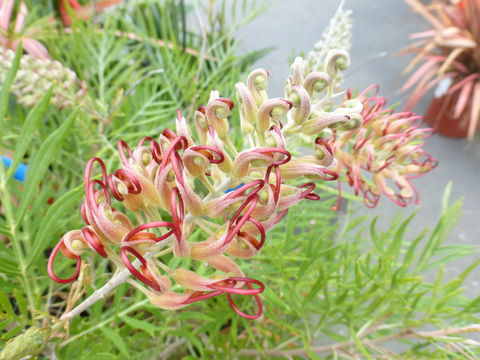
<point>385,154</point>
<point>35,76</point>
<point>204,200</point>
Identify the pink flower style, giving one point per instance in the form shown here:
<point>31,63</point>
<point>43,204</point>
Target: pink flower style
<point>386,154</point>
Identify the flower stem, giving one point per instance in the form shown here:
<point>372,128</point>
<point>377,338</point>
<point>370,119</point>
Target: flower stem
<point>118,279</point>
<point>105,322</point>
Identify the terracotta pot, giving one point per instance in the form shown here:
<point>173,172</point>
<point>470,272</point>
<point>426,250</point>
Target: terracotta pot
<point>440,115</point>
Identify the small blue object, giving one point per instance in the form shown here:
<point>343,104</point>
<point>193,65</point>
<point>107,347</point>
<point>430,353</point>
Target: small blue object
<point>234,188</point>
<point>20,172</point>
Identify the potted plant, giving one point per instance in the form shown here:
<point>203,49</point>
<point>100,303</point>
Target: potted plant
<point>447,60</point>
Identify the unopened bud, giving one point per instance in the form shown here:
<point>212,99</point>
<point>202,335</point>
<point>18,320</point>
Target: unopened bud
<point>202,122</point>
<point>277,113</point>
<point>406,192</point>
<point>122,188</point>
<point>199,161</point>
<point>319,154</point>
<point>247,128</point>
<point>221,113</point>
<point>342,63</point>
<point>29,344</point>
<point>146,158</point>
<point>263,196</point>
<point>171,176</point>
<point>271,142</point>
<point>261,82</point>
<point>320,85</point>
<point>77,245</point>
<point>242,244</point>
<point>295,100</point>
<point>259,163</point>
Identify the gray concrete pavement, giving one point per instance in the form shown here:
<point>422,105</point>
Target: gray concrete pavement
<point>379,27</point>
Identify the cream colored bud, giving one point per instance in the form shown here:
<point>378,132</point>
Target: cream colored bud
<point>247,128</point>
<point>77,245</point>
<point>406,192</point>
<point>146,158</point>
<point>271,142</point>
<point>259,163</point>
<point>121,187</point>
<point>277,113</point>
<point>171,176</point>
<point>202,122</point>
<point>241,244</point>
<point>221,113</point>
<point>261,82</point>
<point>320,85</point>
<point>342,63</point>
<point>263,196</point>
<point>319,154</point>
<point>200,161</point>
<point>295,99</point>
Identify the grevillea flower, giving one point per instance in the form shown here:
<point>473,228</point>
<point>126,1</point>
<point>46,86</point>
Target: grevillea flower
<point>11,34</point>
<point>200,198</point>
<point>385,154</point>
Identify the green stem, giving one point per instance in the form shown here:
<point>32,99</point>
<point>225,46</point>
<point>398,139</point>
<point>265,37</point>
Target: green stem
<point>7,203</point>
<point>105,322</point>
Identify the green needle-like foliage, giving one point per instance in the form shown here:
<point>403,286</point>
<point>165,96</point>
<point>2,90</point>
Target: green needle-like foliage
<point>339,286</point>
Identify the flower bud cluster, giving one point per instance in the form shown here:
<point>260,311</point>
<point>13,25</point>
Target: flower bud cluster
<point>35,76</point>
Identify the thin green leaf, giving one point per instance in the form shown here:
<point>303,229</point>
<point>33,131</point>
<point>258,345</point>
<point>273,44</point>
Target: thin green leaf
<point>29,128</point>
<point>117,340</point>
<point>360,345</point>
<point>377,240</point>
<point>21,302</point>
<point>4,94</point>
<point>446,196</point>
<point>140,324</point>
<point>41,161</point>
<point>61,206</point>
<point>5,304</point>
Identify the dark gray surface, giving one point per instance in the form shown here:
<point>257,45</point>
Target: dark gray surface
<point>380,27</point>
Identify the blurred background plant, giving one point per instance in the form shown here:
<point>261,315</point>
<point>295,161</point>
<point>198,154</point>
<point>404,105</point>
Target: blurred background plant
<point>337,35</point>
<point>338,286</point>
<point>447,59</point>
